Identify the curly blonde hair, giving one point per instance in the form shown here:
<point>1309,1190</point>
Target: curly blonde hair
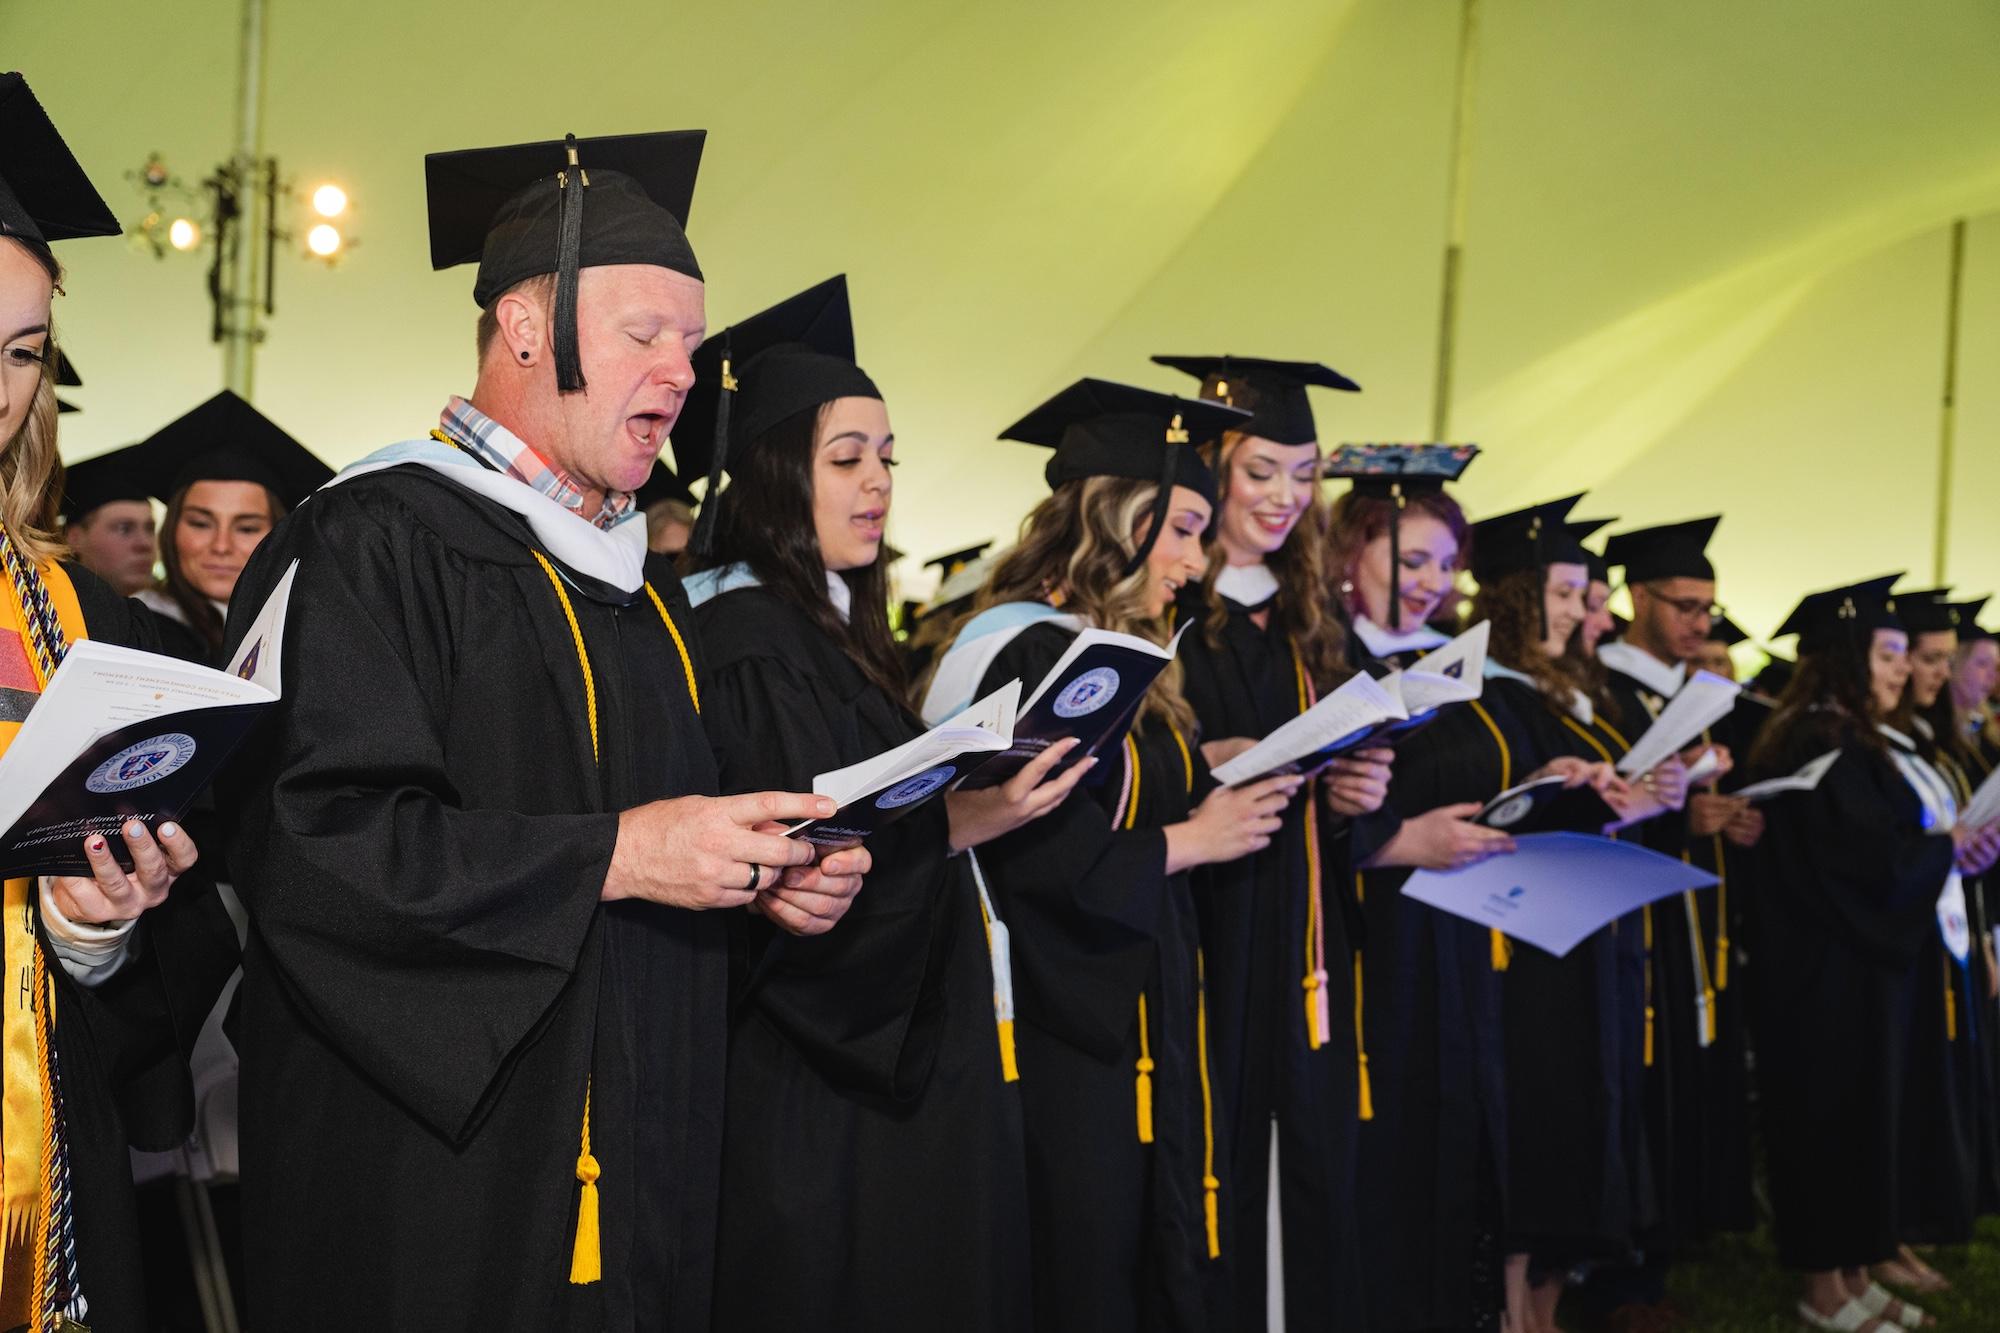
<point>1073,550</point>
<point>30,468</point>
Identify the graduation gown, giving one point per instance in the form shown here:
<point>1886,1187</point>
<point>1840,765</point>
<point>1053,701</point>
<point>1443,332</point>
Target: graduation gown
<point>1106,972</point>
<point>1430,1197</point>
<point>123,1045</point>
<point>432,988</point>
<point>1980,896</point>
<point>869,1137</point>
<point>1257,916</point>
<point>1577,1183</point>
<point>1847,886</point>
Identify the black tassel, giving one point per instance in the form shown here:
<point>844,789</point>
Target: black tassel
<point>1162,501</point>
<point>1396,559</point>
<point>702,539</point>
<point>570,183</point>
<point>1542,567</point>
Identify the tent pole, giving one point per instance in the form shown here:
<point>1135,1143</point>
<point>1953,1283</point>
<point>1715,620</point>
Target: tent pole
<point>1948,402</point>
<point>1454,248</point>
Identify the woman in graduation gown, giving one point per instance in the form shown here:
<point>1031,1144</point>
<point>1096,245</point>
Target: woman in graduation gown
<point>1263,647</point>
<point>870,1133</point>
<point>1975,666</point>
<point>1576,1185</point>
<point>1848,879</point>
<point>1125,1165</point>
<point>96,1038</point>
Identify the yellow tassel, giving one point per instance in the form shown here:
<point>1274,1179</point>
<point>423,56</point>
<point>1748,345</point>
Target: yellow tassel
<point>1209,1186</point>
<point>1367,1091</point>
<point>1316,1018</point>
<point>1722,962</point>
<point>1950,1006</point>
<point>586,1263</point>
<point>1503,951</point>
<point>1010,1071</point>
<point>1709,1014</point>
<point>1145,1095</point>
<point>1367,1111</point>
<point>1649,1036</point>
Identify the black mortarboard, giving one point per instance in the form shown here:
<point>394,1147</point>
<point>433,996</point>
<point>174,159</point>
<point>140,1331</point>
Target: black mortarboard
<point>1843,616</point>
<point>226,439</point>
<point>108,477</point>
<point>1926,610</point>
<point>1969,628</point>
<point>952,561</point>
<point>1396,472</point>
<point>560,206</point>
<point>1274,392</point>
<point>1531,539</point>
<point>790,358</point>
<point>1670,551</point>
<point>661,485</point>
<point>1726,632</point>
<point>1101,429</point>
<point>44,194</point>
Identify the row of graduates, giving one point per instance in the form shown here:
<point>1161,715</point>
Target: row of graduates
<point>1039,1083</point>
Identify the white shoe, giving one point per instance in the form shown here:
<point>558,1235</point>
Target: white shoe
<point>1876,1299</point>
<point>1849,1318</point>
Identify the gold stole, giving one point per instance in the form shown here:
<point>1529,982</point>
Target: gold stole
<point>26,1009</point>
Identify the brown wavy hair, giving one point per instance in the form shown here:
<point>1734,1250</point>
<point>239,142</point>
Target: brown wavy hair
<point>31,474</point>
<point>1356,520</point>
<point>1300,613</point>
<point>1828,692</point>
<point>1513,604</point>
<point>1073,547</point>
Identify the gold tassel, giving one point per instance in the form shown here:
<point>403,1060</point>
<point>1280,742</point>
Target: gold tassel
<point>1646,914</point>
<point>1144,1089</point>
<point>1708,1014</point>
<point>1316,1017</point>
<point>1721,961</point>
<point>1503,951</point>
<point>586,1262</point>
<point>1721,916</point>
<point>1950,1005</point>
<point>1649,1036</point>
<point>1367,1092</point>
<point>1209,1186</point>
<point>1367,1111</point>
<point>1010,1070</point>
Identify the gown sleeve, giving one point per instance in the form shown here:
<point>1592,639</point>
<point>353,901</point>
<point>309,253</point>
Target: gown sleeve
<point>860,1000</point>
<point>426,938</point>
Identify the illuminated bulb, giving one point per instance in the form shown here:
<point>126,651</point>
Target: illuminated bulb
<point>329,201</point>
<point>183,234</point>
<point>323,240</point>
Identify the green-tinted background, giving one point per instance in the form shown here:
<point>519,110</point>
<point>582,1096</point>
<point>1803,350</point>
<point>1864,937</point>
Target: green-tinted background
<point>1707,239</point>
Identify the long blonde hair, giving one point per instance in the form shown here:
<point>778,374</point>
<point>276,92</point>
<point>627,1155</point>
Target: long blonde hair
<point>1074,546</point>
<point>30,468</point>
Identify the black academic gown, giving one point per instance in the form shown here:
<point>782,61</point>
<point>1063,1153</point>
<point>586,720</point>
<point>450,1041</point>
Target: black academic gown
<point>1098,929</point>
<point>1847,884</point>
<point>1430,1198</point>
<point>1981,895</point>
<point>432,985</point>
<point>1254,916</point>
<point>1576,1181</point>
<point>123,1045</point>
<point>869,1136</point>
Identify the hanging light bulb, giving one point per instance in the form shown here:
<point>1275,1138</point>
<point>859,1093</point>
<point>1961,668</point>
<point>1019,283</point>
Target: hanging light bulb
<point>324,240</point>
<point>184,234</point>
<point>329,200</point>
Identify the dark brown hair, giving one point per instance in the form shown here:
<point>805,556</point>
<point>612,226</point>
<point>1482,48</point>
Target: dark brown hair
<point>1513,604</point>
<point>201,616</point>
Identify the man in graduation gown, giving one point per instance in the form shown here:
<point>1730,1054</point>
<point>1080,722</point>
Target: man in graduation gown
<point>483,1015</point>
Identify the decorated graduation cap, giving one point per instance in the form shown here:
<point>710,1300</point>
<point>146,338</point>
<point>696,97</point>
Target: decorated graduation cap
<point>790,358</point>
<point>1395,472</point>
<point>103,480</point>
<point>660,485</point>
<point>1669,551</point>
<point>66,378</point>
<point>226,439</point>
<point>561,206</point>
<point>1844,616</point>
<point>1726,632</point>
<point>951,562</point>
<point>1274,392</point>
<point>1101,429</point>
<point>44,194</point>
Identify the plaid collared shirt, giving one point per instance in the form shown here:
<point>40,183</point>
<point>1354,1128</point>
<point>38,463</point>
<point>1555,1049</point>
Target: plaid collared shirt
<point>506,453</point>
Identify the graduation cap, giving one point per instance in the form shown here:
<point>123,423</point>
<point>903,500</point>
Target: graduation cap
<point>560,206</point>
<point>951,562</point>
<point>1723,630</point>
<point>105,479</point>
<point>1531,539</point>
<point>1842,616</point>
<point>44,194</point>
<point>1926,611</point>
<point>1969,628</point>
<point>790,358</point>
<point>1101,429</point>
<point>1396,472</point>
<point>1669,551</point>
<point>226,439</point>
<point>1273,391</point>
<point>660,485</point>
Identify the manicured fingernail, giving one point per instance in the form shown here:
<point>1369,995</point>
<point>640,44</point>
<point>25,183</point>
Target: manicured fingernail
<point>97,844</point>
<point>169,830</point>
<point>133,828</point>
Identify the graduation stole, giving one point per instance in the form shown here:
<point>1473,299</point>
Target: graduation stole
<point>39,1281</point>
<point>586,1262</point>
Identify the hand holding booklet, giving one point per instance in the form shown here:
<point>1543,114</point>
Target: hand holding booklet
<point>121,734</point>
<point>1548,805</point>
<point>876,792</point>
<point>1805,779</point>
<point>1365,712</point>
<point>1702,702</point>
<point>1984,806</point>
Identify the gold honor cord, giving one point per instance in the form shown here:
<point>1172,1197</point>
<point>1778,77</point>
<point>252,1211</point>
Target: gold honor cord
<point>1319,1015</point>
<point>586,1263</point>
<point>1143,1084</point>
<point>1501,947</point>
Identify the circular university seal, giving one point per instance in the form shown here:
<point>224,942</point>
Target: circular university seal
<point>911,790</point>
<point>1088,693</point>
<point>137,765</point>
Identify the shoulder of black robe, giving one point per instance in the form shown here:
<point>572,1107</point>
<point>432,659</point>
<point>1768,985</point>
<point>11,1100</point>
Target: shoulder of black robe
<point>1082,900</point>
<point>362,849</point>
<point>785,705</point>
<point>1851,857</point>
